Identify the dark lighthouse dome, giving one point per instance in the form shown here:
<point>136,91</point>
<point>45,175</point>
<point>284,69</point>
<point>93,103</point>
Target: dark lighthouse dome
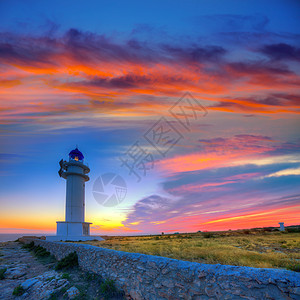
<point>76,155</point>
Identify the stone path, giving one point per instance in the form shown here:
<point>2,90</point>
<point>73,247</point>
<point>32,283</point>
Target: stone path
<point>25,270</point>
<point>39,280</point>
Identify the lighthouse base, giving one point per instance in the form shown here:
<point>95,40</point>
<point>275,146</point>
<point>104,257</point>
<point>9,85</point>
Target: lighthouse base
<point>66,238</point>
<point>73,231</point>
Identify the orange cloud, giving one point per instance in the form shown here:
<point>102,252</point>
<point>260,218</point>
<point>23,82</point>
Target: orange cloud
<point>95,71</point>
<point>263,218</point>
<point>219,153</point>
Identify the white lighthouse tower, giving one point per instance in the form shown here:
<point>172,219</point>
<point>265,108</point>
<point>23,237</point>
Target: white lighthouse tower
<point>74,228</point>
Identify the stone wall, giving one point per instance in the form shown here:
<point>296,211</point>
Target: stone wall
<point>152,277</point>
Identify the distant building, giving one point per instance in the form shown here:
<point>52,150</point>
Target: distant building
<point>176,232</point>
<point>74,228</point>
<point>281,226</point>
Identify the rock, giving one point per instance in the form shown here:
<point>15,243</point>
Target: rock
<point>42,286</point>
<point>165,271</point>
<point>151,274</point>
<point>28,283</point>
<point>201,274</point>
<point>141,268</point>
<point>47,275</point>
<point>14,273</point>
<point>210,291</point>
<point>167,283</point>
<point>24,296</point>
<point>296,290</point>
<point>61,282</point>
<point>135,294</point>
<point>157,285</point>
<point>72,292</point>
<point>181,286</point>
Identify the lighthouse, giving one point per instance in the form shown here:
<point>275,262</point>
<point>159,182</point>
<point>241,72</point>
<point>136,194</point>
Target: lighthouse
<point>74,228</point>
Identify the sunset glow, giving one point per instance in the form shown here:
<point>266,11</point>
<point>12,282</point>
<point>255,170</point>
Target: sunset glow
<point>101,82</point>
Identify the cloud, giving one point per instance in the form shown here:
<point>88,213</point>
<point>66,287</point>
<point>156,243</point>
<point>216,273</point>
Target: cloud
<point>285,172</point>
<point>266,104</point>
<point>257,67</point>
<point>10,157</point>
<point>281,51</point>
<point>226,181</point>
<point>103,75</point>
<point>239,150</point>
<point>234,22</point>
<point>145,210</point>
<point>195,53</point>
<point>221,211</point>
<point>220,153</point>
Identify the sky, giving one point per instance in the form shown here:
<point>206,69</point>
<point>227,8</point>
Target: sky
<point>193,104</point>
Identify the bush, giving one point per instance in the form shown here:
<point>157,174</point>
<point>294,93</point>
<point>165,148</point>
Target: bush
<point>108,288</point>
<point>207,235</point>
<point>91,276</point>
<point>18,291</point>
<point>29,246</point>
<point>292,230</point>
<point>58,294</point>
<point>41,252</point>
<point>295,268</point>
<point>65,276</point>
<point>68,262</point>
<point>2,271</point>
<point>37,250</point>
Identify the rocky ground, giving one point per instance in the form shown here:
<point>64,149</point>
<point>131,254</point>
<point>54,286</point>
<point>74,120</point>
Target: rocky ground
<point>24,276</point>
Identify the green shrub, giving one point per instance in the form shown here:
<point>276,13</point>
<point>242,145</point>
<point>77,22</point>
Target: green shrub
<point>2,271</point>
<point>65,276</point>
<point>292,230</point>
<point>108,288</point>
<point>37,250</point>
<point>295,268</point>
<point>50,278</point>
<point>91,276</point>
<point>68,262</point>
<point>207,235</point>
<point>82,292</point>
<point>18,291</point>
<point>58,294</point>
<point>29,246</point>
<point>41,252</point>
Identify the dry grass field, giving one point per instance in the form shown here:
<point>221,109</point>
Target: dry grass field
<point>253,248</point>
